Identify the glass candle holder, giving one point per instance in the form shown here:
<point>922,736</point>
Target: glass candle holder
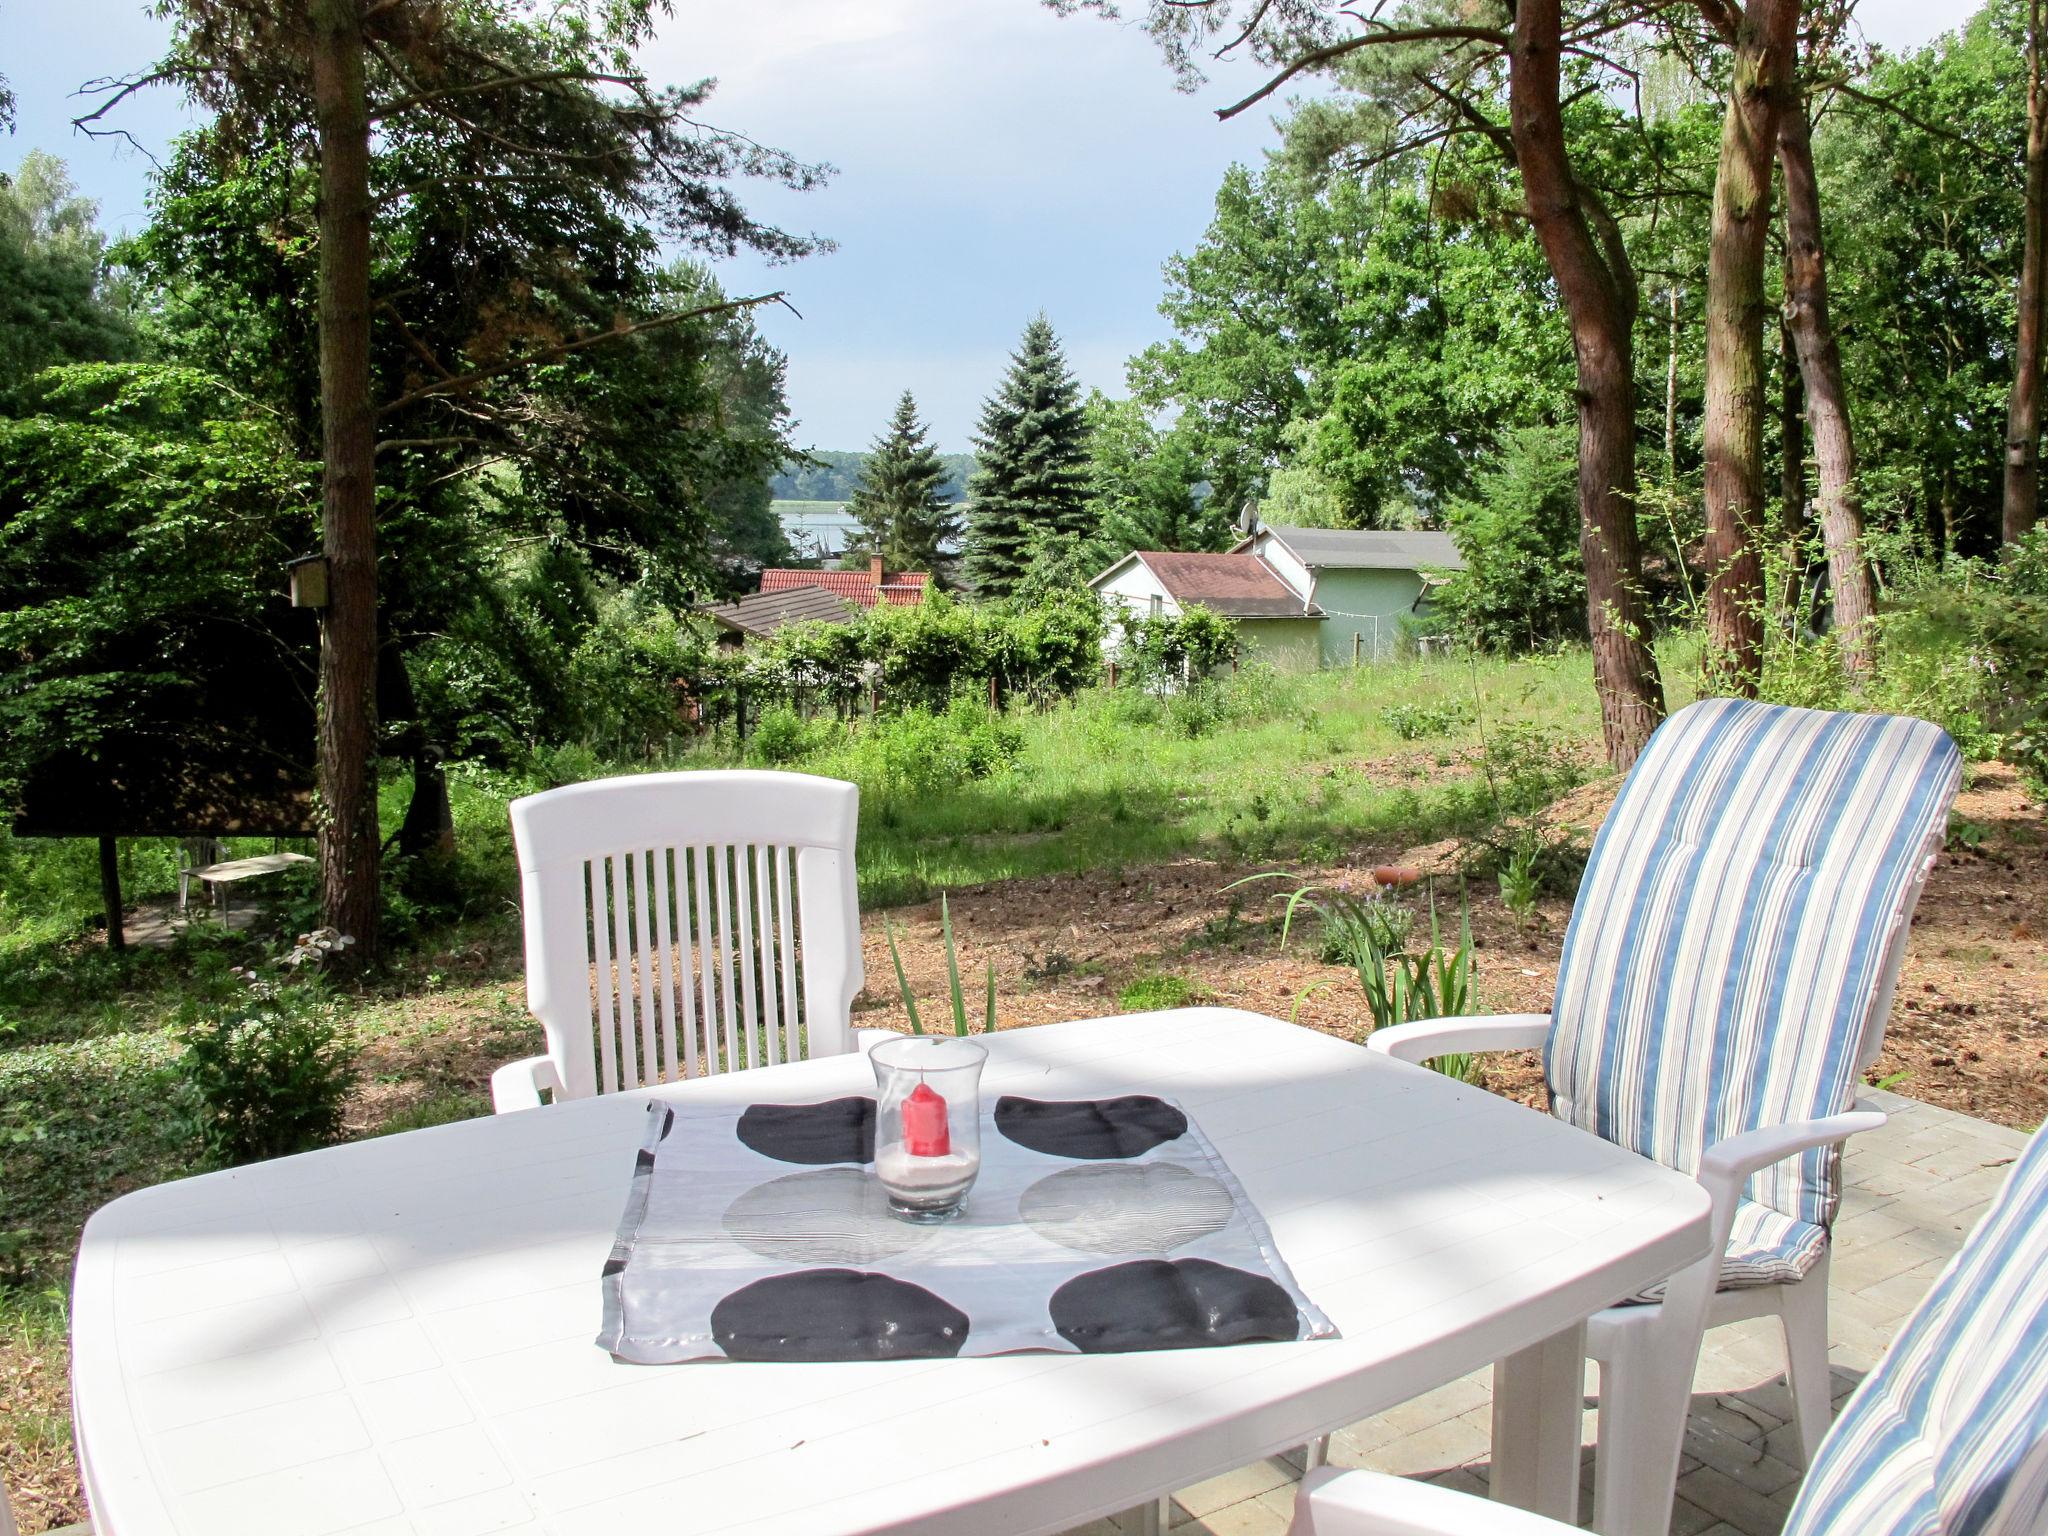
<point>927,1123</point>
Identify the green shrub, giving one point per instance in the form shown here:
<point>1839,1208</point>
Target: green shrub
<point>1196,710</point>
<point>1413,722</point>
<point>265,1070</point>
<point>1352,927</point>
<point>1401,984</point>
<point>1519,881</point>
<point>922,751</point>
<point>1526,767</point>
<point>782,736</point>
<point>1174,650</point>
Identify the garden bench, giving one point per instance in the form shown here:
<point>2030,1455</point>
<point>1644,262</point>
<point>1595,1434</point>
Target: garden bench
<point>220,878</point>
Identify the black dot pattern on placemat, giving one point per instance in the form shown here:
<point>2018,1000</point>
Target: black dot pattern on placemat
<point>1097,1129</point>
<point>1170,1304</point>
<point>826,1216</point>
<point>1126,1207</point>
<point>836,1131</point>
<point>837,1314</point>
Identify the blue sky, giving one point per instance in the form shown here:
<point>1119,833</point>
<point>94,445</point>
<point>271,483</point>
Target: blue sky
<point>994,160</point>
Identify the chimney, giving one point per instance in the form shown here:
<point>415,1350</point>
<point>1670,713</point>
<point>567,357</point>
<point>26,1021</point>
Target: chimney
<point>875,569</point>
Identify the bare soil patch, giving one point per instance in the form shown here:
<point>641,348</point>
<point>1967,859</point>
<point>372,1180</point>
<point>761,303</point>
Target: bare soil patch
<point>1969,1026</point>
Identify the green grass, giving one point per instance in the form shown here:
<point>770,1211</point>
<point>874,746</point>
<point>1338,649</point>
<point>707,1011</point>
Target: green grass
<point>1148,992</point>
<point>1271,768</point>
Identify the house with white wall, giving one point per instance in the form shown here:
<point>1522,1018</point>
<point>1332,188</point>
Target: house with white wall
<point>1302,597</point>
<point>1273,621</point>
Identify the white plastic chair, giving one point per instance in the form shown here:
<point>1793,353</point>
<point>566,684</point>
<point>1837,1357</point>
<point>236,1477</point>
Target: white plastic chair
<point>1724,983</point>
<point>7,1525</point>
<point>1947,1436</point>
<point>681,924</point>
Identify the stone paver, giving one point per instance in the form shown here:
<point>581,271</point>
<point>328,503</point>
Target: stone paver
<point>1912,1190</point>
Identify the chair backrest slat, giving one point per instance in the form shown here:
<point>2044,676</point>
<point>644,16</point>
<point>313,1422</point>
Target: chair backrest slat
<point>764,896</point>
<point>1948,1436</point>
<point>603,897</point>
<point>785,876</point>
<point>684,924</point>
<point>1732,952</point>
<point>665,956</point>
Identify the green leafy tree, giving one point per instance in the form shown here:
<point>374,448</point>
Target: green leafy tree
<point>490,113</point>
<point>145,516</point>
<point>901,502</point>
<point>1519,531</point>
<point>1927,223</point>
<point>1146,485</point>
<point>1255,308</point>
<point>1031,462</point>
<point>542,379</point>
<point>58,302</point>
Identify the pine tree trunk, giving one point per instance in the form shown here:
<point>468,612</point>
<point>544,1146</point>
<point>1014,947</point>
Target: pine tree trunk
<point>1792,481</point>
<point>1671,394</point>
<point>2023,413</point>
<point>1840,500</point>
<point>1600,301</point>
<point>348,631</point>
<point>1764,51</point>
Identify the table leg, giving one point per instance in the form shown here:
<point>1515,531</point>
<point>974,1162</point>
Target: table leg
<point>1148,1519</point>
<point>1538,1403</point>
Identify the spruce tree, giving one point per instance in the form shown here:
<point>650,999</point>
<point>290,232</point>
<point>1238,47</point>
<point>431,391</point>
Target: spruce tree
<point>899,502</point>
<point>1031,466</point>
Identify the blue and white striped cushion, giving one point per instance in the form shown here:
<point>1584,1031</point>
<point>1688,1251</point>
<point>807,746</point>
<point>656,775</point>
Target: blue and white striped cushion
<point>1764,1248</point>
<point>1949,1435</point>
<point>1731,938</point>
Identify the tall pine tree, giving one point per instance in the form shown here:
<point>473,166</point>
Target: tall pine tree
<point>899,501</point>
<point>1031,466</point>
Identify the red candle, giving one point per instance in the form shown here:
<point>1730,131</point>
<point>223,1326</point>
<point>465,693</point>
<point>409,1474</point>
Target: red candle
<point>924,1124</point>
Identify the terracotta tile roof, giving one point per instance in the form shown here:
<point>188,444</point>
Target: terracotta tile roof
<point>905,589</point>
<point>762,613</point>
<point>1236,586</point>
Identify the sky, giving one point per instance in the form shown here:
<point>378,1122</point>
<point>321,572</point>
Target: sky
<point>994,160</point>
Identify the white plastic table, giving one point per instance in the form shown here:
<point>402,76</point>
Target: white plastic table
<point>395,1336</point>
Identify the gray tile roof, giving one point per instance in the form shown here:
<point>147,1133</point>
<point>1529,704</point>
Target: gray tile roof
<point>1390,549</point>
<point>762,613</point>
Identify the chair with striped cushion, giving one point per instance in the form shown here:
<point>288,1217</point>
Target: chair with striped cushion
<point>1948,1436</point>
<point>1724,982</point>
<point>682,924</point>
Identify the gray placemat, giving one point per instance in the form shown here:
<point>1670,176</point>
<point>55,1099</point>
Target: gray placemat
<point>1098,1226</point>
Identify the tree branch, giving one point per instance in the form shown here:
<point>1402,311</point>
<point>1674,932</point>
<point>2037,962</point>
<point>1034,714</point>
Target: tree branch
<point>508,82</point>
<point>463,383</point>
<point>1315,58</point>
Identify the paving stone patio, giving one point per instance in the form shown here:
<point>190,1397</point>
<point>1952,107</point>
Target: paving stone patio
<point>1913,1190</point>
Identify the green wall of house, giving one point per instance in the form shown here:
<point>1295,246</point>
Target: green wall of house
<point>1370,604</point>
<point>1289,645</point>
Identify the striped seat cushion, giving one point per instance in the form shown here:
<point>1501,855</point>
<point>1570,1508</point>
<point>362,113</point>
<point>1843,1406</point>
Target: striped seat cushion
<point>1737,932</point>
<point>1765,1247</point>
<point>1949,1435</point>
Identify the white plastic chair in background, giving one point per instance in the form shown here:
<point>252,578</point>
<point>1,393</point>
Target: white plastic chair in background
<point>682,924</point>
<point>1724,983</point>
<point>1948,1436</point>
